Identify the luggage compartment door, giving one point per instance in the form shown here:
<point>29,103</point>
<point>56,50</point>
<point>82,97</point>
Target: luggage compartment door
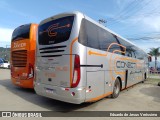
<point>95,84</point>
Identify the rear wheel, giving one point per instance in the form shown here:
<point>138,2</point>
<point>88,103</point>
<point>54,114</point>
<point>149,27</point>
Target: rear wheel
<point>116,89</point>
<point>145,76</point>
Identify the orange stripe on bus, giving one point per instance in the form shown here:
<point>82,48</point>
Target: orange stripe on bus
<point>100,54</point>
<point>129,59</point>
<point>119,51</point>
<point>71,47</point>
<point>99,97</point>
<point>115,44</point>
<point>96,53</point>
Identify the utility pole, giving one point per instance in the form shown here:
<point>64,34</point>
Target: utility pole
<point>102,21</point>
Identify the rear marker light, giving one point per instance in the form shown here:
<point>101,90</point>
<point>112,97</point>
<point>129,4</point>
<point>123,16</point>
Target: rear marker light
<point>89,90</point>
<point>66,89</point>
<point>73,94</point>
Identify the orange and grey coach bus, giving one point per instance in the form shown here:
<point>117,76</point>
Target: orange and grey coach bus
<point>23,45</point>
<point>78,60</point>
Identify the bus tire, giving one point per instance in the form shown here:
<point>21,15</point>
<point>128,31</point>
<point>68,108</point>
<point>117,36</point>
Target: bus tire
<point>116,89</point>
<point>145,76</point>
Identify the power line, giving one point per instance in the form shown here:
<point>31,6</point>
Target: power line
<point>143,16</point>
<point>126,11</point>
<point>146,38</point>
<point>121,14</point>
<point>126,16</point>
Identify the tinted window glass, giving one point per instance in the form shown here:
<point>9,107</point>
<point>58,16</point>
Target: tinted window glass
<point>82,34</point>
<point>108,41</point>
<point>130,49</point>
<point>139,54</point>
<point>21,32</point>
<point>93,36</point>
<point>55,31</point>
<point>130,52</point>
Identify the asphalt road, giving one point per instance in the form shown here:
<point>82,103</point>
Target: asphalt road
<point>141,97</point>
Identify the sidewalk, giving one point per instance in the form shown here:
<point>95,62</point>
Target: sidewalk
<point>155,77</point>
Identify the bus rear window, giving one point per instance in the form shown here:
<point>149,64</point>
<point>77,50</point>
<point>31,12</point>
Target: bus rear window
<point>21,32</point>
<point>55,31</point>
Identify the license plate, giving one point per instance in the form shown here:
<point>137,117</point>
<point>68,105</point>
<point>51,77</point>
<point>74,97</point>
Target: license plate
<point>49,90</point>
<point>17,82</point>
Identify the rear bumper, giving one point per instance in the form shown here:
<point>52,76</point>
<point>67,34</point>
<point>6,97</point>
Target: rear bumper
<point>28,83</point>
<point>59,93</point>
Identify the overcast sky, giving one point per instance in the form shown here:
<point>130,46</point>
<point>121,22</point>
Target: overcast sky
<point>137,20</point>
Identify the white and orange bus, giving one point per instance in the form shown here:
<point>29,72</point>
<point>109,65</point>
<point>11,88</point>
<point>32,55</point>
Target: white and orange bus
<point>23,45</point>
<point>79,60</point>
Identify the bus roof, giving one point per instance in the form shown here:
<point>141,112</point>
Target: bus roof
<point>90,19</point>
<point>60,15</point>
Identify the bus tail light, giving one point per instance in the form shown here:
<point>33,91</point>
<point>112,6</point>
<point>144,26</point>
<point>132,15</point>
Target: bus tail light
<point>30,71</point>
<point>76,72</point>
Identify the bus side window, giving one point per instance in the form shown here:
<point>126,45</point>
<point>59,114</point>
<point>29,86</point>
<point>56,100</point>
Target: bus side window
<point>82,34</point>
<point>92,35</point>
<point>133,54</point>
<point>128,54</point>
<point>139,55</point>
<point>105,41</point>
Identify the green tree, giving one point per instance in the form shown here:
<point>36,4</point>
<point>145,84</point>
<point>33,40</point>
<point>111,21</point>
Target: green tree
<point>155,52</point>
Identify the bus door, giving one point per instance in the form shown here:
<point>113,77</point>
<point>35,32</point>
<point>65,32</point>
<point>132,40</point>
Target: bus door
<point>130,77</point>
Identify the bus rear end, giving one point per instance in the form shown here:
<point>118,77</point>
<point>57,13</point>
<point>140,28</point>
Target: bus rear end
<point>23,46</point>
<point>58,72</point>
